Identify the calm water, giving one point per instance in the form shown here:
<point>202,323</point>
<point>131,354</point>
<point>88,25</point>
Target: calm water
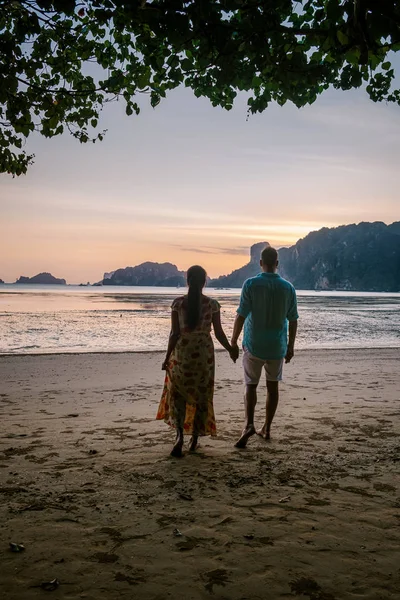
<point>50,319</point>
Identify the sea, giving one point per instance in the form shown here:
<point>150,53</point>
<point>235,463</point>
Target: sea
<point>47,319</point>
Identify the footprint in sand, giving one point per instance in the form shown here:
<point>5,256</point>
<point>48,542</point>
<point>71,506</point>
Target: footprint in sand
<point>305,586</point>
<point>216,577</point>
<point>104,557</point>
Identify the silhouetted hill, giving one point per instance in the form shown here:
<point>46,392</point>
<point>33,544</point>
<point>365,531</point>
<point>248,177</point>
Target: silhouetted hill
<point>394,227</point>
<point>42,278</point>
<point>148,274</point>
<point>1,281</point>
<point>363,257</point>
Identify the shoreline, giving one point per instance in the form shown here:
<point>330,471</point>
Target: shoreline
<point>217,351</point>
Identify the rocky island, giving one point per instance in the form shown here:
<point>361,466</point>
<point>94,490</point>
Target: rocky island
<point>147,274</point>
<point>42,279</point>
<point>1,281</point>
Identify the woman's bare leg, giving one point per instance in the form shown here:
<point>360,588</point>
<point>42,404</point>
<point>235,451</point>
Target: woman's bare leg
<point>179,412</point>
<point>177,449</point>
<point>198,424</point>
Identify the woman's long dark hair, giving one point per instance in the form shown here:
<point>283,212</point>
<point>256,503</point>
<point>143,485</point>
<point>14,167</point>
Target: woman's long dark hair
<point>196,279</point>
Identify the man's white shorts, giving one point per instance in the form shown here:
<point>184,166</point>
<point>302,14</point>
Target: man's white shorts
<point>253,366</point>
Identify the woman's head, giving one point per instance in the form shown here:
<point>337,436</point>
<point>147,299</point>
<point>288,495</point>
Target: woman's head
<point>196,280</point>
<point>196,277</point>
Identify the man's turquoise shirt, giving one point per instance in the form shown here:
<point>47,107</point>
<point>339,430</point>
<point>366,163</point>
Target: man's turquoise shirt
<point>267,302</point>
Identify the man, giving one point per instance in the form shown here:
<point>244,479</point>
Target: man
<point>267,303</point>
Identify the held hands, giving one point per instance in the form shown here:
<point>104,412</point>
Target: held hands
<point>234,352</point>
<point>289,354</point>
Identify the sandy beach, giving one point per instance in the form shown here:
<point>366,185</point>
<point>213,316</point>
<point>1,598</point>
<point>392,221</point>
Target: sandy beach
<point>88,487</point>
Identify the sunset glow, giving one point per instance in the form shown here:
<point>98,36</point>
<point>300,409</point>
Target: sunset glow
<point>187,183</point>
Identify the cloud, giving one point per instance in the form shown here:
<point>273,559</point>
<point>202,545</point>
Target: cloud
<point>198,250</point>
<point>238,251</point>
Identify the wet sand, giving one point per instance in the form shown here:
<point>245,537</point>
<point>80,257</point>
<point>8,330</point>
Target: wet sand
<point>87,484</point>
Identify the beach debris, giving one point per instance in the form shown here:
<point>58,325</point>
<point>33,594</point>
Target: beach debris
<point>73,415</point>
<point>285,499</point>
<point>249,537</point>
<point>224,521</point>
<point>185,496</point>
<point>176,533</point>
<point>50,586</point>
<point>93,451</point>
<point>16,547</point>
<point>188,544</point>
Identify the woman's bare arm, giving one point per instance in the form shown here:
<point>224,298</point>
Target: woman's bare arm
<point>220,335</point>
<point>173,337</point>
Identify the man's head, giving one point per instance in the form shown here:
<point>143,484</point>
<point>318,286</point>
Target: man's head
<point>269,260</point>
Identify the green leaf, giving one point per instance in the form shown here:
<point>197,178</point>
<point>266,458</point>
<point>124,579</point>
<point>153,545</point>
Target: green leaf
<point>343,38</point>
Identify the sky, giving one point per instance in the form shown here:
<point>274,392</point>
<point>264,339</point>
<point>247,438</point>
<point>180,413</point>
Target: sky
<point>191,184</point>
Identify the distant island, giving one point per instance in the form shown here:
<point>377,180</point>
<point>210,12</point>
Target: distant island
<point>147,274</point>
<point>1,281</point>
<point>363,257</point>
<point>42,279</point>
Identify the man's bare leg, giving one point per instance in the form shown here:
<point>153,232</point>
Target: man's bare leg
<point>250,401</point>
<point>271,406</point>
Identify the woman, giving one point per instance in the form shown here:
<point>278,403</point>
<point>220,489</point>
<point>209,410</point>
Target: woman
<point>187,398</point>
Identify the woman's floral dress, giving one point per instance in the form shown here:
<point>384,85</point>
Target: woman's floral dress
<point>187,398</point>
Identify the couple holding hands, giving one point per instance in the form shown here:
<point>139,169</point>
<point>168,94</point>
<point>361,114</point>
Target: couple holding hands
<point>267,304</point>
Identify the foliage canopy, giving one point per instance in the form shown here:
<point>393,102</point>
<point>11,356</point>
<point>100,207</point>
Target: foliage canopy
<point>61,60</point>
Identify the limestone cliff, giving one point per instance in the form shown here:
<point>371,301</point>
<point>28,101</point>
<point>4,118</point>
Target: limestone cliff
<point>237,277</point>
<point>363,257</point>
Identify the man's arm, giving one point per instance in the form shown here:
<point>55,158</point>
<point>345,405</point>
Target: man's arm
<point>292,338</point>
<point>237,329</point>
<point>242,312</point>
<point>221,337</point>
